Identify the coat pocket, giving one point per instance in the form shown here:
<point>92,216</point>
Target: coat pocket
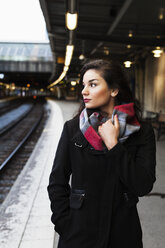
<point>77,198</point>
<point>130,199</point>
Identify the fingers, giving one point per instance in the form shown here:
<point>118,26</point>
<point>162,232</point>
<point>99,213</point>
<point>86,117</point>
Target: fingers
<point>116,122</point>
<point>109,122</point>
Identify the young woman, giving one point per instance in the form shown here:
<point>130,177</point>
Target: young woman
<point>110,154</point>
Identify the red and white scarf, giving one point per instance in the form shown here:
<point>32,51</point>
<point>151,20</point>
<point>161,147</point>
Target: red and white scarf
<point>127,120</point>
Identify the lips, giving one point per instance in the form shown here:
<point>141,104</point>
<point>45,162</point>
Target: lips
<point>86,100</point>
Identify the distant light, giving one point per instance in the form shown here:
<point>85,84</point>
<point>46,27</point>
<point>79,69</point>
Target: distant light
<point>2,76</point>
<point>128,46</point>
<point>12,86</point>
<point>161,14</point>
<point>157,52</point>
<point>28,85</point>
<point>41,90</point>
<point>106,51</point>
<point>127,64</point>
<point>71,21</point>
<point>130,34</point>
<point>81,57</point>
<point>73,83</point>
<point>60,60</point>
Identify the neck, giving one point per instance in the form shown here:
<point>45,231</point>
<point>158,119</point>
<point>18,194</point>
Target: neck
<point>108,110</point>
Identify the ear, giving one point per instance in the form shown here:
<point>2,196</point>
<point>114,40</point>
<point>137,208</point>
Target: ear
<point>114,92</point>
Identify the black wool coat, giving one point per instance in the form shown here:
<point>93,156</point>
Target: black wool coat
<point>99,209</point>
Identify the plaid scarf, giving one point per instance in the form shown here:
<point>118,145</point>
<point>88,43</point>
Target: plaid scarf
<point>127,120</point>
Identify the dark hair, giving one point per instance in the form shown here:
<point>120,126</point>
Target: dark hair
<point>115,78</point>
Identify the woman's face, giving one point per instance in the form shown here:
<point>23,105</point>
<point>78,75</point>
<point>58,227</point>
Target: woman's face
<point>96,93</point>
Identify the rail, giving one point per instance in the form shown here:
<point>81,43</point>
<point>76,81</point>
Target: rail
<point>20,143</point>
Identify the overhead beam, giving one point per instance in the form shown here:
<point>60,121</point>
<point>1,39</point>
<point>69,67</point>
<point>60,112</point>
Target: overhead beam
<point>44,8</point>
<point>116,22</point>
<point>119,16</point>
<point>124,40</point>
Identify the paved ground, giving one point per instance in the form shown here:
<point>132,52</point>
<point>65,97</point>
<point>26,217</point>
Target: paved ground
<point>152,209</point>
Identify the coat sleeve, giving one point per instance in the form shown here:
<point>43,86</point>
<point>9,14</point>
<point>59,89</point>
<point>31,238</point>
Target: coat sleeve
<point>137,173</point>
<point>59,188</point>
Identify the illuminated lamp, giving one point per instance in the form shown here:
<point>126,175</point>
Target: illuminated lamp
<point>157,52</point>
<point>73,83</point>
<point>71,20</point>
<point>127,64</point>
<point>81,57</point>
<point>66,68</point>
<point>130,34</point>
<point>68,56</point>
<point>2,76</point>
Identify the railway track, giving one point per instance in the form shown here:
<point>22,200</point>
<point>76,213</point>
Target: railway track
<point>19,138</point>
<point>12,104</point>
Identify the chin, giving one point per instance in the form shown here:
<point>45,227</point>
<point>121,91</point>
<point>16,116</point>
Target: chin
<point>89,106</point>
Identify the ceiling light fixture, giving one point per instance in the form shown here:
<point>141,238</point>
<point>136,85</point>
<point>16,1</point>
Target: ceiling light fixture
<point>81,57</point>
<point>66,68</point>
<point>130,34</point>
<point>69,53</point>
<point>106,51</point>
<point>68,57</point>
<point>73,83</point>
<point>127,64</point>
<point>161,14</point>
<point>71,20</point>
<point>157,52</point>
<point>2,76</point>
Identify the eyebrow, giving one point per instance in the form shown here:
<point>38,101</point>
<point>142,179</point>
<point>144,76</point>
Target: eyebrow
<point>91,80</point>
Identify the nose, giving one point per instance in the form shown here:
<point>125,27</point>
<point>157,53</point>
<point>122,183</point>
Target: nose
<point>85,91</point>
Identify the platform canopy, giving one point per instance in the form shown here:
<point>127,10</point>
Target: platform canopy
<point>10,51</point>
<point>23,63</point>
<point>114,29</point>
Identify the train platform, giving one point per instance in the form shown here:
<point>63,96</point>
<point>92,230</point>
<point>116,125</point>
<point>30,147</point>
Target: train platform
<point>6,99</point>
<point>13,116</point>
<point>25,214</point>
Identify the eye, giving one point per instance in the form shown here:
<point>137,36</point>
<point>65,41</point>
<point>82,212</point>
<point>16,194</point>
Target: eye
<point>93,85</point>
